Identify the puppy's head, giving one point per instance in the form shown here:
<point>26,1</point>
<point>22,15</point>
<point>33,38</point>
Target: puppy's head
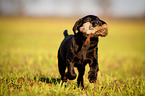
<point>91,25</point>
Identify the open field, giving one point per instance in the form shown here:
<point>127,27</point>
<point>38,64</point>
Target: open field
<point>28,58</point>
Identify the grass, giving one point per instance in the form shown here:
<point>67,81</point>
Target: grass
<point>28,58</point>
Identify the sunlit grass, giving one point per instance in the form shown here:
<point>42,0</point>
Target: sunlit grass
<point>28,58</point>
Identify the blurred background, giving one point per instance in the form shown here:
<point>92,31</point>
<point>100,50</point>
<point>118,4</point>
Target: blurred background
<point>31,32</point>
<point>73,8</point>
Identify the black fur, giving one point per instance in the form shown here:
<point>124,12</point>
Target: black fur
<point>74,53</point>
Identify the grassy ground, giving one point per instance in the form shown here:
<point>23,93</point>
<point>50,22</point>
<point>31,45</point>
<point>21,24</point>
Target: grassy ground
<point>28,58</point>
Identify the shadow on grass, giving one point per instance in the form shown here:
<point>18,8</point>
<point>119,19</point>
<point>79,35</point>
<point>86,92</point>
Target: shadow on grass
<point>49,80</point>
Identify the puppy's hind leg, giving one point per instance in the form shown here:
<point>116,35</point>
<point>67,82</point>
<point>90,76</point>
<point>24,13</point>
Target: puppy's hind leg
<point>62,68</point>
<point>71,75</point>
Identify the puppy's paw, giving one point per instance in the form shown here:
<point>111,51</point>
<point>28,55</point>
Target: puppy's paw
<point>64,79</point>
<point>71,76</point>
<point>92,77</point>
<point>92,81</point>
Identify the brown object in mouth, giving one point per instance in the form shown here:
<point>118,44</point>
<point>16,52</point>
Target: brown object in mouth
<point>88,38</point>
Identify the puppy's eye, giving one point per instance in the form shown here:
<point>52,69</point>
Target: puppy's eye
<point>94,24</point>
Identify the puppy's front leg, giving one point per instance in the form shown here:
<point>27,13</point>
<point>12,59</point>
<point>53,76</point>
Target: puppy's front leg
<point>80,77</point>
<point>93,71</point>
<point>71,73</point>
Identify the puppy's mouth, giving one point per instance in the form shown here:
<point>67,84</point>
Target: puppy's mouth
<point>93,31</point>
<point>97,30</point>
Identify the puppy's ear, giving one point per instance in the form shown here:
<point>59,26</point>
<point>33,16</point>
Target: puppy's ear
<point>77,25</point>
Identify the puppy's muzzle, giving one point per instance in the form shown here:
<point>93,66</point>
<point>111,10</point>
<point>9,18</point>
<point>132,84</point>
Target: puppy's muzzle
<point>91,30</point>
<point>97,30</point>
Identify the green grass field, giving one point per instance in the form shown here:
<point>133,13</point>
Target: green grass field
<point>28,58</point>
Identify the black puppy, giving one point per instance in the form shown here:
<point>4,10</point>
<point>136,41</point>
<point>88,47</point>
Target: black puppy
<point>81,48</point>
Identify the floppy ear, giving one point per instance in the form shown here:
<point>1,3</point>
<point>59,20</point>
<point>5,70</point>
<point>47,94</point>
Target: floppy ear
<point>77,25</point>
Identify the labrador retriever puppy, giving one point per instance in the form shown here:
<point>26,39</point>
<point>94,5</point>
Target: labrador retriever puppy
<point>81,48</point>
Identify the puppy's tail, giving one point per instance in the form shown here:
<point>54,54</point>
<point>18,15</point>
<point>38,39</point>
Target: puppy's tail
<point>65,33</point>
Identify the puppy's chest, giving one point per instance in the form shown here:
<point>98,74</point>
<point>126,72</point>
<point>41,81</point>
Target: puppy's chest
<point>86,52</point>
